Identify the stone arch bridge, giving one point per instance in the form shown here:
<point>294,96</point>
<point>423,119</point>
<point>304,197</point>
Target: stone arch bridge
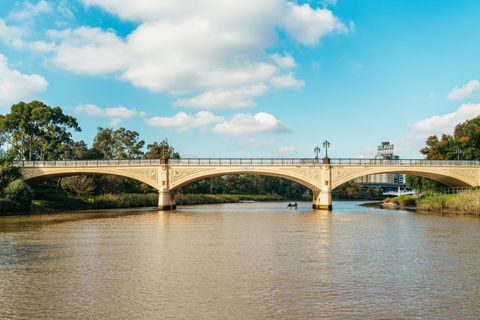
<point>320,175</point>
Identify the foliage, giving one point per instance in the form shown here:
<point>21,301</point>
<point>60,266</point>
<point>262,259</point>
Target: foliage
<point>160,150</point>
<point>79,186</point>
<point>7,173</point>
<point>9,207</point>
<point>247,184</point>
<point>124,201</point>
<point>421,183</point>
<point>404,201</point>
<point>20,192</point>
<point>348,190</point>
<point>467,201</point>
<point>466,140</point>
<point>35,130</point>
<point>118,144</point>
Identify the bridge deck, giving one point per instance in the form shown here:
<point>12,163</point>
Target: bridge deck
<point>246,162</point>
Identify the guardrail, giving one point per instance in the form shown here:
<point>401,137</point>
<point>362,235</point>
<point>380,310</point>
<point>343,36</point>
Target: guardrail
<point>246,162</point>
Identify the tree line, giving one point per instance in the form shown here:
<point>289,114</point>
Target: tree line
<point>35,131</point>
<point>464,144</point>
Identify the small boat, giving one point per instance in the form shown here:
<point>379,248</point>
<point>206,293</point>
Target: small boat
<point>292,206</point>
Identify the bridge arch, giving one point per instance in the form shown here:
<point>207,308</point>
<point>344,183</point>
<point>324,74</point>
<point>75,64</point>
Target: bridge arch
<point>35,176</point>
<point>180,177</point>
<point>452,177</point>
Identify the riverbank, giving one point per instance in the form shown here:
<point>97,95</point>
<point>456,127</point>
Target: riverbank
<point>467,202</point>
<point>110,201</point>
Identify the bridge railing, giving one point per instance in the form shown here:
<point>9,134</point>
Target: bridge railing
<point>404,162</point>
<point>245,162</point>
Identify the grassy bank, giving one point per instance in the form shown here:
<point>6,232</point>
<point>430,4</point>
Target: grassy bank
<point>62,202</point>
<point>467,202</point>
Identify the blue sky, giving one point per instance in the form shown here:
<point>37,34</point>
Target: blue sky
<point>270,78</point>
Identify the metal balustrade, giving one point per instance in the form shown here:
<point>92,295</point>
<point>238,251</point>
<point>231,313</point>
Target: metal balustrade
<point>245,162</point>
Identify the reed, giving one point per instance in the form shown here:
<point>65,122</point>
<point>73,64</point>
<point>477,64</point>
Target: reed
<point>465,202</point>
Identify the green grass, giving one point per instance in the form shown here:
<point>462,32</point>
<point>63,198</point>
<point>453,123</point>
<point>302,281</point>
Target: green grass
<point>464,202</point>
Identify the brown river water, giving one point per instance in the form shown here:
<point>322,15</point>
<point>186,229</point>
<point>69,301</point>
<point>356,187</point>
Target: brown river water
<point>240,261</point>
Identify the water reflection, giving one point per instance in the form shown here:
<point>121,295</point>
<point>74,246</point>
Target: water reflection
<point>247,261</point>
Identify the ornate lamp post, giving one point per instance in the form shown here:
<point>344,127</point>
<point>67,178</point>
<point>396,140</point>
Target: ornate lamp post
<point>326,144</point>
<point>317,150</point>
<point>459,152</point>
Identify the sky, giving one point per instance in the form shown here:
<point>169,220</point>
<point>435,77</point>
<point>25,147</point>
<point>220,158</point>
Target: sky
<point>249,79</point>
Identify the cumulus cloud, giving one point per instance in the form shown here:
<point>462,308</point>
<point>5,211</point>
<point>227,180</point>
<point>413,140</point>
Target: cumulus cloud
<point>307,25</point>
<point>283,62</point>
<point>183,122</point>
<point>15,86</point>
<point>30,10</point>
<point>287,149</point>
<point>460,93</point>
<point>118,112</point>
<point>115,122</point>
<point>222,98</point>
<point>242,124</point>
<point>213,48</point>
<point>410,145</point>
<point>287,81</point>
<point>446,123</point>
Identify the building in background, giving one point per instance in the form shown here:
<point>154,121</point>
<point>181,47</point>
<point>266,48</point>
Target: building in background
<point>386,181</point>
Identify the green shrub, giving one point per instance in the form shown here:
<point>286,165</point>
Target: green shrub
<point>8,207</point>
<point>20,192</point>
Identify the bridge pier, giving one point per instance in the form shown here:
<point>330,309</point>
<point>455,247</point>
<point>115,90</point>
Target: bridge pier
<point>166,200</point>
<point>322,200</point>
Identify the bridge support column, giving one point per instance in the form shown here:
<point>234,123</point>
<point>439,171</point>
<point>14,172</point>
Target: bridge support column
<point>322,200</point>
<point>165,200</point>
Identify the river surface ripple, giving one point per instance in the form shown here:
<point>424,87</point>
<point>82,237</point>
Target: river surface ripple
<point>240,261</point>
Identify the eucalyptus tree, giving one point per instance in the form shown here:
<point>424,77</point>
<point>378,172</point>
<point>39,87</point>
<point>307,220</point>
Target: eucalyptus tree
<point>159,150</point>
<point>34,130</point>
<point>118,144</point>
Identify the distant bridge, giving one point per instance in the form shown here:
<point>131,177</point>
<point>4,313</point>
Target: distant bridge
<point>320,175</point>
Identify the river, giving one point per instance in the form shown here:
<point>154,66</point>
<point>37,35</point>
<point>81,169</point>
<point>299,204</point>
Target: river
<point>240,261</point>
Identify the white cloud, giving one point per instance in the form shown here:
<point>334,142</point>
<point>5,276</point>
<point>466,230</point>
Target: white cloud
<point>446,123</point>
<point>460,93</point>
<point>410,145</point>
<point>184,122</point>
<point>368,153</point>
<point>222,98</point>
<point>242,124</point>
<point>115,122</point>
<point>118,112</point>
<point>287,149</point>
<point>15,86</point>
<point>284,62</point>
<point>30,10</point>
<point>260,144</point>
<point>307,25</point>
<point>12,34</point>
<point>216,48</point>
<point>287,81</point>
<point>431,95</point>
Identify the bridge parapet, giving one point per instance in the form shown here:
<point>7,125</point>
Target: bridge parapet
<point>244,162</point>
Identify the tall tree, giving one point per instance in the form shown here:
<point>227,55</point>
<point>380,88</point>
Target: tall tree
<point>34,130</point>
<point>118,144</point>
<point>159,150</point>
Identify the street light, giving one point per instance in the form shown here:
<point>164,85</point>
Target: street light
<point>459,152</point>
<point>317,150</point>
<point>326,144</point>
